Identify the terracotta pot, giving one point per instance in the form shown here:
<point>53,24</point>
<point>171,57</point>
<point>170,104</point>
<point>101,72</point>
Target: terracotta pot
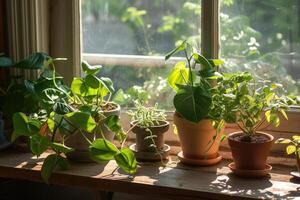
<point>250,156</point>
<point>81,146</point>
<point>142,144</point>
<point>196,138</point>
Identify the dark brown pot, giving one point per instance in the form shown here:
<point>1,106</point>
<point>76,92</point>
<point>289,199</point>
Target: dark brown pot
<point>250,156</point>
<point>143,144</point>
<point>196,137</point>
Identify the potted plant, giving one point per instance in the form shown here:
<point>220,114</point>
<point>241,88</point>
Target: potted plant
<point>16,96</point>
<point>92,93</point>
<point>251,104</point>
<point>293,147</point>
<point>149,125</point>
<point>64,112</point>
<point>200,130</point>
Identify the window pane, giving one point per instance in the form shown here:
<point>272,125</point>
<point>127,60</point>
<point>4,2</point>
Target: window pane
<point>262,37</point>
<point>139,27</point>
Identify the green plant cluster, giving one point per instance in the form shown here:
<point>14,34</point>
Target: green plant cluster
<point>64,111</point>
<point>146,117</point>
<point>292,145</point>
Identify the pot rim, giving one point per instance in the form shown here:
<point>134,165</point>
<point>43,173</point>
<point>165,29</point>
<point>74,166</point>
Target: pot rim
<point>114,110</point>
<point>165,123</point>
<point>271,137</point>
<point>179,116</point>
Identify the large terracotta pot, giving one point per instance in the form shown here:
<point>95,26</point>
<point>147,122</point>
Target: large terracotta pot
<point>142,144</point>
<point>196,138</point>
<point>250,156</point>
<point>81,146</point>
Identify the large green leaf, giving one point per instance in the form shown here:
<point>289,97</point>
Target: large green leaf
<point>108,84</point>
<point>34,61</point>
<point>48,167</point>
<point>22,125</point>
<point>5,62</point>
<point>126,161</point>
<point>81,88</point>
<point>178,76</point>
<point>82,120</point>
<point>38,144</point>
<point>88,69</point>
<point>102,150</point>
<point>193,103</point>
<point>113,124</point>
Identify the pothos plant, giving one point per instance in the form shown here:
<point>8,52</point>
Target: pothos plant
<point>64,111</point>
<point>293,145</point>
<point>193,80</point>
<point>248,102</point>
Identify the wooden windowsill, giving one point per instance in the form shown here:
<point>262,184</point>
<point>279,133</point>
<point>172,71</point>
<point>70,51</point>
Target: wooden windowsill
<point>175,181</point>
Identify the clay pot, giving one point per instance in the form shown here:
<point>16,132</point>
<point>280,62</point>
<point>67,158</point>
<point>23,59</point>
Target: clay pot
<point>250,156</point>
<point>196,138</point>
<point>142,144</point>
<point>81,146</point>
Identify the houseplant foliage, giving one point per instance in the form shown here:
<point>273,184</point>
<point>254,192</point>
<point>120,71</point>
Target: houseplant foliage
<point>292,147</point>
<point>252,105</point>
<point>149,124</point>
<point>198,126</point>
<point>64,111</point>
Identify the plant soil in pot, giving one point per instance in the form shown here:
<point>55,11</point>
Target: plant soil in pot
<point>252,153</point>
<point>197,143</point>
<point>149,125</point>
<point>81,145</point>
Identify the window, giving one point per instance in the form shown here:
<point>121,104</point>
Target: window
<point>262,37</point>
<point>131,37</point>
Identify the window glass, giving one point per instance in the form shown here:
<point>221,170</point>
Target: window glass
<point>262,37</point>
<point>139,27</point>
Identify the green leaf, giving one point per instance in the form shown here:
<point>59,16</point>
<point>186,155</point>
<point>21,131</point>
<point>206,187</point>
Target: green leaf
<point>126,161</point>
<point>284,114</point>
<point>113,124</point>
<point>181,47</point>
<point>23,126</point>
<point>38,144</point>
<point>34,61</point>
<point>102,150</point>
<point>88,69</point>
<point>296,137</point>
<point>61,148</point>
<point>193,103</point>
<point>5,62</point>
<point>48,167</point>
<point>81,88</point>
<point>92,81</point>
<point>108,84</point>
<point>215,62</point>
<point>178,76</point>
<point>199,59</point>
<point>290,149</point>
<point>63,163</point>
<point>283,141</point>
<point>82,120</point>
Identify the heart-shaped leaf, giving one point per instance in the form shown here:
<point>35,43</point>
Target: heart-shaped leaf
<point>126,161</point>
<point>102,150</point>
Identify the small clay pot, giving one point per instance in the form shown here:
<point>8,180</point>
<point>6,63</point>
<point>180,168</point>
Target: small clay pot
<point>197,138</point>
<point>81,146</point>
<point>142,143</point>
<point>247,155</point>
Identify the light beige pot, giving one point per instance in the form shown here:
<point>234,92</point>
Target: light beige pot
<point>196,138</point>
<point>81,146</point>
